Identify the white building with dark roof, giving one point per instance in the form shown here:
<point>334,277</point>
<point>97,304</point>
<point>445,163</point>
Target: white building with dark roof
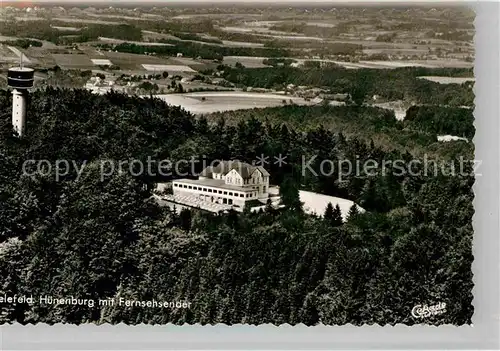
<point>231,184</point>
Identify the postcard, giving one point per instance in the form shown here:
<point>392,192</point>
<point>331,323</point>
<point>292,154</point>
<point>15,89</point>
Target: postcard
<point>239,165</point>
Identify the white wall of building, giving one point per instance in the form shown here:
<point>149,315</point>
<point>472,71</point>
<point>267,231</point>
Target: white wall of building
<point>18,111</point>
<point>214,194</point>
<point>234,178</point>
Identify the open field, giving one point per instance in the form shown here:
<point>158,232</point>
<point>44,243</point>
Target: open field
<point>20,55</point>
<point>247,61</point>
<point>6,55</point>
<point>449,80</point>
<point>321,24</point>
<point>124,17</point>
<point>29,18</point>
<point>7,38</point>
<point>257,30</point>
<point>128,61</point>
<point>101,62</point>
<point>70,61</point>
<point>261,23</point>
<point>151,35</point>
<point>185,61</point>
<point>119,41</point>
<point>292,37</point>
<point>315,203</point>
<point>416,63</point>
<point>40,57</point>
<point>242,44</point>
<point>84,20</point>
<point>212,15</point>
<point>227,101</point>
<point>72,29</point>
<point>168,68</point>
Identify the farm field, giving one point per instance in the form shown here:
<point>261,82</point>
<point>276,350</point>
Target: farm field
<point>128,61</point>
<point>119,41</point>
<point>152,35</point>
<point>227,101</point>
<point>124,17</point>
<point>168,68</point>
<point>257,30</point>
<point>72,29</point>
<point>73,61</point>
<point>186,61</point>
<point>211,15</point>
<point>7,38</point>
<point>247,61</point>
<point>321,24</point>
<point>6,55</point>
<point>19,55</point>
<point>242,44</point>
<point>84,20</point>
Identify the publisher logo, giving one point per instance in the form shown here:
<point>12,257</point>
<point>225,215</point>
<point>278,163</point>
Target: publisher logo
<point>423,311</point>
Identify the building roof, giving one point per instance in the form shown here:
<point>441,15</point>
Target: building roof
<point>244,169</point>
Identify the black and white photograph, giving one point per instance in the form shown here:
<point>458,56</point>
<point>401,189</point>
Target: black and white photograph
<point>236,163</point>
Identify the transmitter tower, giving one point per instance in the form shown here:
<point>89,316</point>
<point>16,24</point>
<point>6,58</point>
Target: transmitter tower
<point>20,79</point>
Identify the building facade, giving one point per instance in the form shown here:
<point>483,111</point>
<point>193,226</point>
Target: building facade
<point>230,183</point>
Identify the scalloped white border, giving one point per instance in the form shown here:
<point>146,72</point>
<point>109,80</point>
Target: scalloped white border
<point>484,334</point>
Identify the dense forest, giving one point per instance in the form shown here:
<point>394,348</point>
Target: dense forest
<point>391,84</point>
<point>192,49</point>
<point>442,120</point>
<point>417,134</point>
<point>23,43</point>
<point>90,237</point>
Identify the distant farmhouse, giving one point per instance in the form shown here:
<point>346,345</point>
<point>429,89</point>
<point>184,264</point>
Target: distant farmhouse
<point>231,185</point>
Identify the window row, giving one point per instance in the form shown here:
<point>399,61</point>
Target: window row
<point>214,191</point>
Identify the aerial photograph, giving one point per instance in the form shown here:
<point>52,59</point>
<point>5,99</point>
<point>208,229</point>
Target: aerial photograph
<point>236,163</point>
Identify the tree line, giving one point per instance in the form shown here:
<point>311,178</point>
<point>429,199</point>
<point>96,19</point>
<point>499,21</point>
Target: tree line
<point>416,135</point>
<point>391,84</point>
<point>44,30</point>
<point>195,50</point>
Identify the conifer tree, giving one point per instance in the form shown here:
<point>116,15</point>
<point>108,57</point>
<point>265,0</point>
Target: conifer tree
<point>337,216</point>
<point>353,212</point>
<point>333,215</point>
<point>329,213</point>
<point>185,219</point>
<point>269,206</point>
<point>290,197</point>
